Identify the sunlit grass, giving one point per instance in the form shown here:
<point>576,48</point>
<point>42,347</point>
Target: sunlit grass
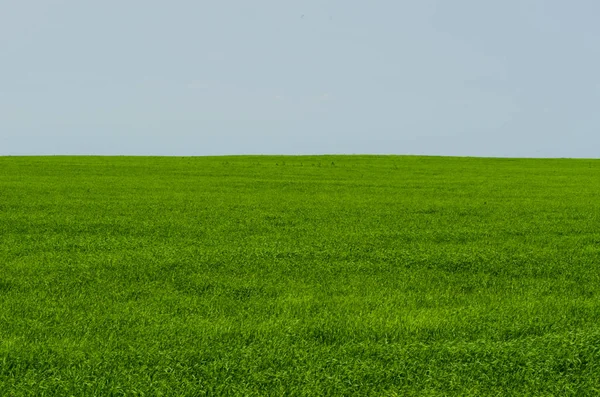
<point>328,275</point>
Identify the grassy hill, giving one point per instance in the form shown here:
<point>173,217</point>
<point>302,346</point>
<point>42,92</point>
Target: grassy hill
<point>311,275</point>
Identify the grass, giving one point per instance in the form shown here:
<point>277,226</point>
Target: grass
<point>327,275</point>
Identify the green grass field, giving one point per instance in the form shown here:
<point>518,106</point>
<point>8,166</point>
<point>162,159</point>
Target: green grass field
<point>314,276</point>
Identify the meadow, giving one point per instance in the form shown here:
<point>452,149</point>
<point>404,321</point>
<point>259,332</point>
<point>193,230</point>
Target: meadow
<point>307,276</point>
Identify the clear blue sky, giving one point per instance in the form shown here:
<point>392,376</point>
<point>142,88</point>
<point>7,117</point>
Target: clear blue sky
<point>462,77</point>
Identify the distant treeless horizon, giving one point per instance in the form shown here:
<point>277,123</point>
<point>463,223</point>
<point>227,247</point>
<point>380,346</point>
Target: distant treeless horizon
<point>463,78</point>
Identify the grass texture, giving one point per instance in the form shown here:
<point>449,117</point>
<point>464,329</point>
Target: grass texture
<point>299,276</point>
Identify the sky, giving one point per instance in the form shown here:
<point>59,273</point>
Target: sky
<point>510,78</point>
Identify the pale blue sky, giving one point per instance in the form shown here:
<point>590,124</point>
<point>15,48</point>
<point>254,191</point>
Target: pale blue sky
<point>451,77</point>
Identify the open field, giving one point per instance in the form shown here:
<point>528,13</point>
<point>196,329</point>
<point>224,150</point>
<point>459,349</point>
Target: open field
<point>328,275</point>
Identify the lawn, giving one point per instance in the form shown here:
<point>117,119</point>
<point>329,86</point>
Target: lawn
<point>309,275</point>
